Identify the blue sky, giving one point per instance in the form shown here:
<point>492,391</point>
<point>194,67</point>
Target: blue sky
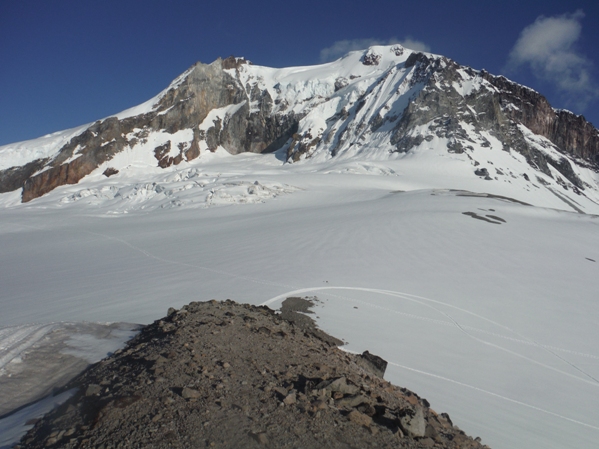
<point>65,63</point>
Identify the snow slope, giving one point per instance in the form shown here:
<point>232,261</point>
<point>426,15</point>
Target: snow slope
<point>483,305</point>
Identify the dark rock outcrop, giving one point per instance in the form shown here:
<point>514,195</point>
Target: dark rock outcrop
<point>568,131</point>
<point>372,363</point>
<point>12,178</point>
<point>371,58</point>
<point>79,157</point>
<point>497,110</point>
<point>228,375</point>
<point>110,171</point>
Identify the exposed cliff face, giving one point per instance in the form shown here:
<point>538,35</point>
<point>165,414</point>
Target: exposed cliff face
<point>492,106</point>
<point>14,177</point>
<point>79,157</point>
<point>374,104</point>
<point>568,131</point>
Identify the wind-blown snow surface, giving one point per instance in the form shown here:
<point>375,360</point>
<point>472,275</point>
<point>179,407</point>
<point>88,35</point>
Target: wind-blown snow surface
<point>491,316</point>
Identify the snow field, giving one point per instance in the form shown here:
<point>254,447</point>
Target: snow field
<point>492,323</point>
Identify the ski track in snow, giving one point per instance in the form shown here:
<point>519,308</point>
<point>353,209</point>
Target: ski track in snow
<point>490,393</point>
<point>407,296</point>
<point>189,265</point>
<point>522,339</point>
<point>403,295</point>
<point>505,398</point>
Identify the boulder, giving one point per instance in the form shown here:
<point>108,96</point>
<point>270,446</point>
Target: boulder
<point>412,422</point>
<point>373,363</point>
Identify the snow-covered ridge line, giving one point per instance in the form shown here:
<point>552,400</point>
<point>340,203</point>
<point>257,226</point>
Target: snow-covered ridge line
<point>20,153</point>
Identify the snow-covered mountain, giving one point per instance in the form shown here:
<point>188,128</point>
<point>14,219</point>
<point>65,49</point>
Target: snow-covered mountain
<point>445,219</point>
<point>383,104</point>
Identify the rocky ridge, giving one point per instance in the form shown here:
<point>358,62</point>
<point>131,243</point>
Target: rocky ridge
<point>221,374</point>
<point>447,108</point>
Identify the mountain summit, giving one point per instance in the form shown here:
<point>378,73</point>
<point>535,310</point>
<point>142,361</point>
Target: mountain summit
<point>381,104</point>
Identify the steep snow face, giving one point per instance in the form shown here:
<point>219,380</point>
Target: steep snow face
<point>338,102</point>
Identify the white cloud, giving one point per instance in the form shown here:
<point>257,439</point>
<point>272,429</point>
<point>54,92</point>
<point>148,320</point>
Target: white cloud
<point>340,48</point>
<point>548,47</point>
<point>414,44</point>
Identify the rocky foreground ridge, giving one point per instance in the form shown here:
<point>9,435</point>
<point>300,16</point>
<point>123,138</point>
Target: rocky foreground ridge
<point>381,102</point>
<point>221,374</point>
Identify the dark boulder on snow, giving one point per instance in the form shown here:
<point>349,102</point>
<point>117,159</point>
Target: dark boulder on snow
<point>110,171</point>
<point>482,172</point>
<point>371,58</point>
